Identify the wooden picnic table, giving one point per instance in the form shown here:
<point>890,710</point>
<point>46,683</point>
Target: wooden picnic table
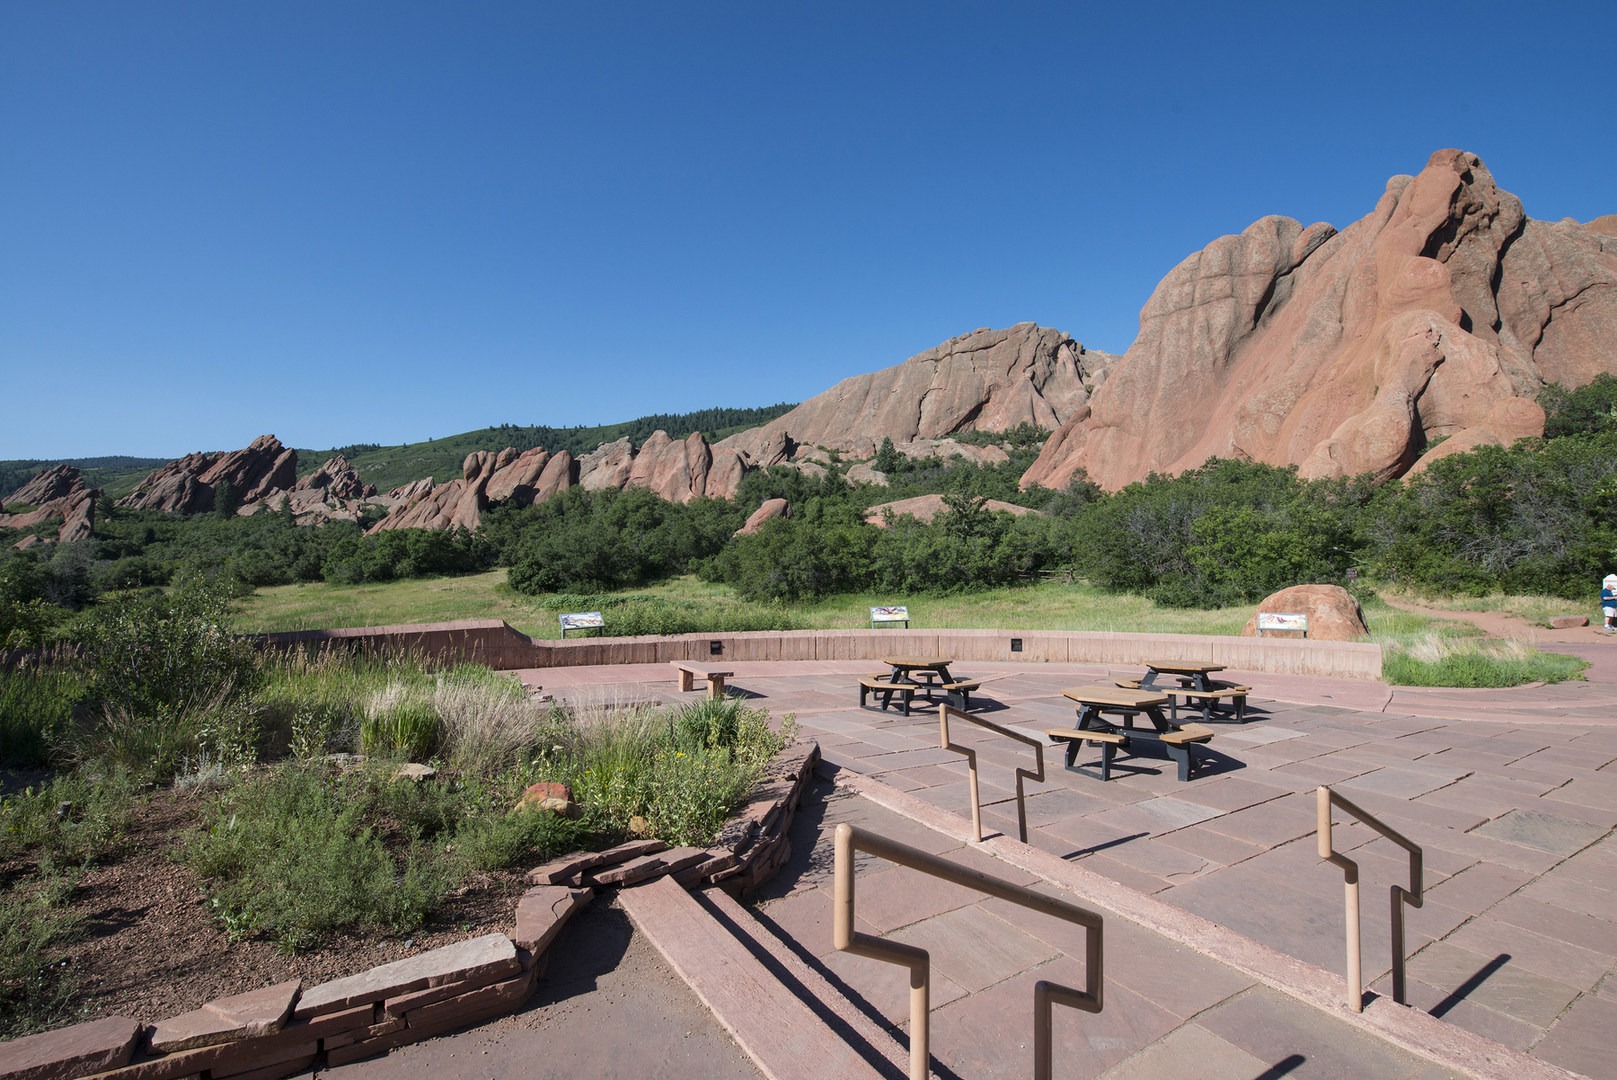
<point>905,667</point>
<point>1189,672</point>
<point>1096,702</point>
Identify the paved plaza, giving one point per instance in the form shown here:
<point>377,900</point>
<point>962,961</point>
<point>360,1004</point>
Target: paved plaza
<point>1213,887</point>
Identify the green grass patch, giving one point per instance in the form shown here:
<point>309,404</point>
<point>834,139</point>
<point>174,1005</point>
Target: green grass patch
<point>36,992</point>
<point>70,820</point>
<point>1435,660</point>
<point>688,605</point>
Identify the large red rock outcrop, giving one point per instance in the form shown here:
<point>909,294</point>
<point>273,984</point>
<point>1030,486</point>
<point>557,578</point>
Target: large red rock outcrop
<point>487,477</point>
<point>336,479</point>
<point>262,469</point>
<point>57,492</point>
<point>333,492</point>
<point>678,470</point>
<point>1333,613</point>
<point>989,380</point>
<point>1439,315</point>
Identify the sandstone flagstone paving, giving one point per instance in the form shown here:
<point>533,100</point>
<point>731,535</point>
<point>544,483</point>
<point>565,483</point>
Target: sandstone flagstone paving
<point>1512,794</point>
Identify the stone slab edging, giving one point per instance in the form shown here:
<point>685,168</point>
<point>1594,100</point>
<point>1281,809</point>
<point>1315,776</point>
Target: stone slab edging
<point>499,645</point>
<point>280,1030</point>
<point>1411,1029</point>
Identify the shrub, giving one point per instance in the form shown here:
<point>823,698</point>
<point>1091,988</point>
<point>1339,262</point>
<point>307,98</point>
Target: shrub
<point>681,770</point>
<point>496,841</point>
<point>290,855</point>
<point>167,654</point>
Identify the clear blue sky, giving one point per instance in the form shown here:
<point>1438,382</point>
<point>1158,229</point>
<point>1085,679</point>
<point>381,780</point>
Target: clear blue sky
<point>391,221</point>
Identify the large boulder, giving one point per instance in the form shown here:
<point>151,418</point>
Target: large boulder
<point>1440,315</point>
<point>926,507</point>
<point>1333,613</point>
<point>768,511</point>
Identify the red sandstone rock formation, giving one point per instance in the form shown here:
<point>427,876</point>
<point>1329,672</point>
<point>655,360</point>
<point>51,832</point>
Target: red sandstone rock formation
<point>187,486</point>
<point>487,477</point>
<point>58,492</point>
<point>989,380</point>
<point>927,507</point>
<point>1442,313</point>
<point>768,511</point>
<point>336,479</point>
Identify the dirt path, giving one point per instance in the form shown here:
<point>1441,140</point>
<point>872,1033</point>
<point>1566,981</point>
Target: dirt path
<point>1498,624</point>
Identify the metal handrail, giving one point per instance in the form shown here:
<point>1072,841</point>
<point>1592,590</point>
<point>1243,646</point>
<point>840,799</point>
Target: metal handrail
<point>1350,880</point>
<point>1045,994</point>
<point>944,712</point>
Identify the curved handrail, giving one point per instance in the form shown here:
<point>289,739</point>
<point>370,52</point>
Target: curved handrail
<point>917,960</point>
<point>944,713</point>
<point>1350,881</point>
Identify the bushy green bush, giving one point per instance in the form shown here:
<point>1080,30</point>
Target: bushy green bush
<point>165,654</point>
<point>290,854</point>
<point>1224,533</point>
<point>679,770</point>
<point>1538,518</point>
<point>406,553</point>
<point>584,541</point>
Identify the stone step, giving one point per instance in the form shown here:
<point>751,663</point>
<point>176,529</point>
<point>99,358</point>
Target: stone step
<point>789,1020</point>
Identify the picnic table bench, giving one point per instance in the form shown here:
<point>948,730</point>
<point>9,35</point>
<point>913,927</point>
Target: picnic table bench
<point>1195,689</point>
<point>689,672</point>
<point>1096,703</point>
<point>886,690</point>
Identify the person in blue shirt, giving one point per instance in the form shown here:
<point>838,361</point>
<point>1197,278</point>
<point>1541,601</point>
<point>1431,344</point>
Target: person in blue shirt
<point>1608,602</point>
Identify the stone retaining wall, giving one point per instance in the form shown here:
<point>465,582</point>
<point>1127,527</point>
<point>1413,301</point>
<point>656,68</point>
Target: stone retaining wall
<point>283,1029</point>
<point>497,644</point>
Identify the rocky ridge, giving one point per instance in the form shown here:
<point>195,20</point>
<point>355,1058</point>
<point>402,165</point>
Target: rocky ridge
<point>1433,320</point>
<point>1438,316</point>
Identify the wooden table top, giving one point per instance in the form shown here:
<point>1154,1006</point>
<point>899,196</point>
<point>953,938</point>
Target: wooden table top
<point>1182,667</point>
<point>916,661</point>
<point>1114,695</point>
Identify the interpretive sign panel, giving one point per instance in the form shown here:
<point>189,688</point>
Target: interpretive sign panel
<point>1269,620</point>
<point>879,615</point>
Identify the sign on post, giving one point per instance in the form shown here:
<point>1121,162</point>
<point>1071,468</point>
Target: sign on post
<point>582,620</point>
<point>1269,620</point>
<point>879,615</point>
